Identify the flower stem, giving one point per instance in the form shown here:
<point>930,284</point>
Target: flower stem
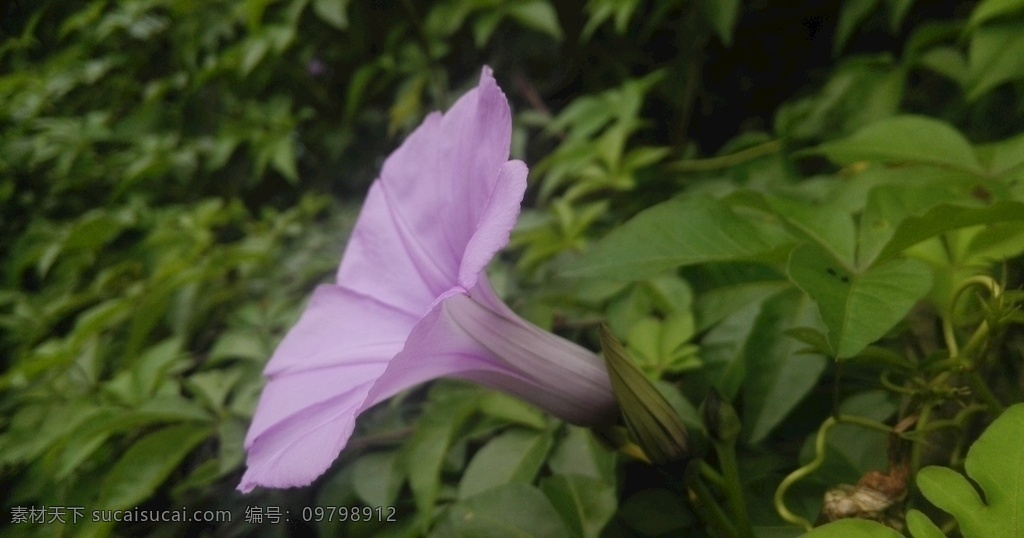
<point>711,475</point>
<point>726,161</point>
<point>979,387</point>
<point>949,335</point>
<point>709,507</point>
<point>733,489</point>
<point>973,354</point>
<point>918,448</point>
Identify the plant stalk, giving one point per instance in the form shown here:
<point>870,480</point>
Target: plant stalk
<point>733,489</point>
<point>713,512</point>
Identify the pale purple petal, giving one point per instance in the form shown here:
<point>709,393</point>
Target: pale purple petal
<point>499,212</point>
<point>445,202</point>
<point>463,337</point>
<point>341,325</point>
<point>393,253</point>
<point>318,378</point>
<point>293,452</point>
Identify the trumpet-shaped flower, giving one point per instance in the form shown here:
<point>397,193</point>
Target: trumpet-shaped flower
<point>412,303</point>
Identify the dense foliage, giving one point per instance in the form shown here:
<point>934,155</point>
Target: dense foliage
<point>804,223</point>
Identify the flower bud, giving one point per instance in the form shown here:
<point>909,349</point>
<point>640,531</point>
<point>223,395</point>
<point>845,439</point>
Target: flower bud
<point>650,420</point>
<point>721,424</point>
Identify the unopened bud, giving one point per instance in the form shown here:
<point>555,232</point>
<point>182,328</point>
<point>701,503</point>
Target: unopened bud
<point>650,420</point>
<point>721,424</point>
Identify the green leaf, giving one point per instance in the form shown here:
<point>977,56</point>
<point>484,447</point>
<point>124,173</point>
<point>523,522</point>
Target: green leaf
<point>514,510</point>
<point>815,340</point>
<point>231,450</point>
<point>681,231</point>
<point>239,344</point>
<point>991,9</point>
<point>578,453</point>
<point>853,528</point>
<point>333,12</point>
<point>538,15</point>
<point>656,512</point>
<point>77,452</point>
<point>585,503</point>
<point>749,350</point>
<point>898,10</point>
<point>253,52</point>
<point>922,527</point>
<point>996,242</point>
<point>601,10</point>
<point>905,139</point>
<point>29,433</point>
<point>776,531</point>
<point>680,404</point>
<point>508,408</point>
<point>717,304</point>
<point>828,225</point>
<point>993,57</point>
<point>211,387</point>
<point>626,309</point>
<point>282,157</point>
<point>146,465</point>
<point>168,407</point>
<point>427,448</point>
<point>662,346</point>
<point>889,205</point>
<point>514,456</point>
<point>860,91</point>
<point>484,25</point>
<point>778,373</point>
<point>852,14</point>
<point>377,478</point>
<point>722,15</point>
<point>1004,156</point>
<point>858,308</point>
<point>945,217</point>
<point>723,349</point>
<point>408,105</point>
<point>947,61</point>
<point>995,463</point>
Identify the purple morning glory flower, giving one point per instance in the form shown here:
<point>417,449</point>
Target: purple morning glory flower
<point>412,303</point>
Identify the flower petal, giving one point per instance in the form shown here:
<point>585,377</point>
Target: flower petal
<point>341,326</point>
<point>500,211</point>
<point>444,204</point>
<point>319,377</point>
<point>296,450</point>
<point>463,337</point>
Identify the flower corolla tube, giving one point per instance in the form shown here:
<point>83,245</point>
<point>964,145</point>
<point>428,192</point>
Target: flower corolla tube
<point>412,303</point>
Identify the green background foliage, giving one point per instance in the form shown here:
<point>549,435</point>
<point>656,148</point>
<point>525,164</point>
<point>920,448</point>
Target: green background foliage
<point>796,206</point>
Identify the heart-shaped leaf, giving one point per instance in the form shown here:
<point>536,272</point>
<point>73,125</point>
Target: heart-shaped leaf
<point>858,307</point>
<point>996,464</point>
